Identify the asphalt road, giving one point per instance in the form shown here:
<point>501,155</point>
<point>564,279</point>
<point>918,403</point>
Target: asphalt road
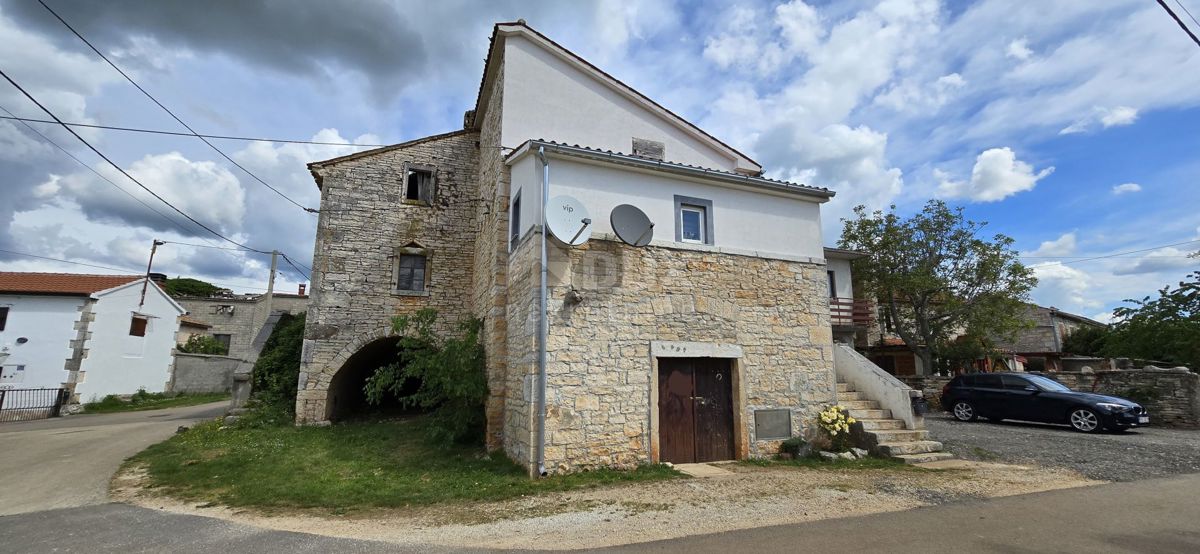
<point>67,462</point>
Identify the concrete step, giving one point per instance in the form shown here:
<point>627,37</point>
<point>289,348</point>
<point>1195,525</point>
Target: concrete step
<point>843,387</point>
<point>880,424</point>
<point>892,450</point>
<point>852,395</point>
<point>859,405</point>
<point>892,436</point>
<point>861,414</point>
<point>923,458</point>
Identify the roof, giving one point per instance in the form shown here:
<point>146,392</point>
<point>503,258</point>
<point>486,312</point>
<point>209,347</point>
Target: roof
<point>61,284</point>
<point>520,26</point>
<point>189,320</point>
<point>312,166</point>
<point>843,254</point>
<point>656,164</point>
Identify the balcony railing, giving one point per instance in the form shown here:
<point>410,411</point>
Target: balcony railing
<point>848,312</point>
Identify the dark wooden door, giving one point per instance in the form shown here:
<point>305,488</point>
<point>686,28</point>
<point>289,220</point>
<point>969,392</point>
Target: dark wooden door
<point>695,410</point>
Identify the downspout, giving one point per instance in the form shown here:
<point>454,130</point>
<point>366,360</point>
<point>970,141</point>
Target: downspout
<point>543,321</point>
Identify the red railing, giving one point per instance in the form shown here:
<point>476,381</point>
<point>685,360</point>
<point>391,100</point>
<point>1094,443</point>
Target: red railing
<point>849,312</point>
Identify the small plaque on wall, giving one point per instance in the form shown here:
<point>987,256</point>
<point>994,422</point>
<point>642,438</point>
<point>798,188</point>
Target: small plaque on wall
<point>772,424</point>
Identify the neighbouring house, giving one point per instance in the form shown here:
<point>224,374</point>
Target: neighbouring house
<point>94,335</point>
<point>190,327</point>
<point>712,342</point>
<point>235,320</point>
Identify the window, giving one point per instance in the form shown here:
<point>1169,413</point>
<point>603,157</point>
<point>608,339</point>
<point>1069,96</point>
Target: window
<point>985,381</point>
<point>514,219</point>
<point>693,220</point>
<point>832,284</point>
<point>137,326</point>
<point>1012,382</point>
<point>418,183</point>
<point>223,339</point>
<point>411,273</point>
<point>3,317</point>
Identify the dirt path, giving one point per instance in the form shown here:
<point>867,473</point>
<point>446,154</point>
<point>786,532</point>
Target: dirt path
<point>750,496</point>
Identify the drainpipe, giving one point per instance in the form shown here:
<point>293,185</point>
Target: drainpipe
<point>543,321</point>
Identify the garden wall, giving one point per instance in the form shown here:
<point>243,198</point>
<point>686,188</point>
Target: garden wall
<point>199,373</point>
<point>1171,395</point>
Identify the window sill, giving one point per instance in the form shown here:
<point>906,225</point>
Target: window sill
<point>412,202</point>
<point>410,293</point>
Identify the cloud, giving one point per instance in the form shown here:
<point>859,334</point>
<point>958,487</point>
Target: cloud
<point>1019,49</point>
<point>1163,259</point>
<point>1126,188</point>
<point>997,175</point>
<point>1104,117</point>
<point>1059,247</point>
<point>1064,287</point>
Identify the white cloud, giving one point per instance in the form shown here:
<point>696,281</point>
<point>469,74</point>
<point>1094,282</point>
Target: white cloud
<point>1019,49</point>
<point>1102,117</point>
<point>997,175</point>
<point>1059,247</point>
<point>1064,287</point>
<point>1163,259</point>
<point>1104,317</point>
<point>1126,188</point>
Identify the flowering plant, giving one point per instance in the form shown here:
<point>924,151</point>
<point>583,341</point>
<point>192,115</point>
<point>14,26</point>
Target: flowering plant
<point>835,423</point>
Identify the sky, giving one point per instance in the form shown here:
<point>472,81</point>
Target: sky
<point>1069,125</point>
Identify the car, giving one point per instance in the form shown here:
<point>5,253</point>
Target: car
<point>1028,397</point>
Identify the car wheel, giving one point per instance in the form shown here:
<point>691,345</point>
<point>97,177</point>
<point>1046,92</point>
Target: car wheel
<point>1084,420</point>
<point>964,411</point>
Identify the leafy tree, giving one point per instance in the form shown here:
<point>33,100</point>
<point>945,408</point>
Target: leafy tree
<point>203,344</point>
<point>1166,328</point>
<point>277,371</point>
<point>1087,341</point>
<point>449,371</point>
<point>186,286</point>
<point>935,278</point>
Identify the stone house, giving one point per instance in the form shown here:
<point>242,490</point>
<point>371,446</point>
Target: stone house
<point>712,342</point>
<point>236,319</point>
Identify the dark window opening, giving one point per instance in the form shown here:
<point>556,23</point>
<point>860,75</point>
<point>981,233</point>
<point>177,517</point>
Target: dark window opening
<point>411,273</point>
<point>832,284</point>
<point>137,326</point>
<point>418,184</point>
<point>223,339</point>
<point>3,317</point>
<point>515,220</point>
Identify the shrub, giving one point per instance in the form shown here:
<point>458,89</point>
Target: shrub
<point>449,371</point>
<point>835,423</point>
<point>273,380</point>
<point>203,344</point>
<point>793,446</point>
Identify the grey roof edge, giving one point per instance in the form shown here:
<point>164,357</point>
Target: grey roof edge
<point>843,254</point>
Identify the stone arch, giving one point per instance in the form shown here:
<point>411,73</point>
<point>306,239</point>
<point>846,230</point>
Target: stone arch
<point>348,371</point>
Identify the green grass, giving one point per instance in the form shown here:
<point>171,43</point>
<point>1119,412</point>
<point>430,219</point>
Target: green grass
<point>150,401</point>
<point>347,467</point>
<point>869,463</point>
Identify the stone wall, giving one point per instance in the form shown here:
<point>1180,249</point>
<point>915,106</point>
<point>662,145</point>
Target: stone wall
<point>198,373</point>
<point>247,317</point>
<point>363,221</point>
<point>1172,396</point>
<point>600,368</point>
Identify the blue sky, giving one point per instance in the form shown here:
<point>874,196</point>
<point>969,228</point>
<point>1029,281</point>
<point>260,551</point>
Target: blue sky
<point>1067,124</point>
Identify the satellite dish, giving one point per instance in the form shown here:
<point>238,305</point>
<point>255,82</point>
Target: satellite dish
<point>568,220</point>
<point>631,225</point>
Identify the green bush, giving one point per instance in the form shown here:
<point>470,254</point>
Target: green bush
<point>203,344</point>
<point>449,371</point>
<point>273,380</point>
<point>793,446</point>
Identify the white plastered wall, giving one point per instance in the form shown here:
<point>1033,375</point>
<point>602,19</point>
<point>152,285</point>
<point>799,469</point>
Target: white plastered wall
<point>48,325</point>
<point>118,363</point>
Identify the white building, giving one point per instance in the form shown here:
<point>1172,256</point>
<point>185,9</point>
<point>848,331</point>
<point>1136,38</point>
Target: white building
<point>91,334</point>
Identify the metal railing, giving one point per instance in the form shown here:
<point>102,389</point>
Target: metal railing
<point>27,404</point>
<point>850,312</point>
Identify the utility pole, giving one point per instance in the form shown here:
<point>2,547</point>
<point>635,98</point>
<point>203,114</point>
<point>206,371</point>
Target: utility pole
<point>145,283</point>
<point>271,285</point>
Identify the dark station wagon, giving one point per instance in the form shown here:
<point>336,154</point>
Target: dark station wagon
<point>1026,397</point>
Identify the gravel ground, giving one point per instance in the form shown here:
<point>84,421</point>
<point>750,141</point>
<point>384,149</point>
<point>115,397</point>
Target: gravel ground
<point>749,496</point>
<point>1136,454</point>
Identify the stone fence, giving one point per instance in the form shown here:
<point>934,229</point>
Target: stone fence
<point>1171,395</point>
<point>199,373</point>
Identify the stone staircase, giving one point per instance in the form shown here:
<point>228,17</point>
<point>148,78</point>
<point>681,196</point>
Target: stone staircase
<point>882,435</point>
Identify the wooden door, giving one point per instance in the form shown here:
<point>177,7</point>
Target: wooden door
<point>695,410</point>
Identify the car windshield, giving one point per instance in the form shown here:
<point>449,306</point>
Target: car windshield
<point>1047,384</point>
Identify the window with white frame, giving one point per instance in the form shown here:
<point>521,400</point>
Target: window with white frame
<point>693,220</point>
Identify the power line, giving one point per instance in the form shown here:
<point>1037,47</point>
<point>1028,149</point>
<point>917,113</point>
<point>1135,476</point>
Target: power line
<point>1189,14</point>
<point>1129,252</point>
<point>114,164</point>
<point>1173,16</point>
<point>210,246</point>
<point>172,114</point>
<point>124,270</point>
<point>289,262</point>
<point>180,134</point>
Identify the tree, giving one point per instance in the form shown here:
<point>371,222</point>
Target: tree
<point>186,286</point>
<point>203,344</point>
<point>1087,341</point>
<point>936,279</point>
<point>1165,329</point>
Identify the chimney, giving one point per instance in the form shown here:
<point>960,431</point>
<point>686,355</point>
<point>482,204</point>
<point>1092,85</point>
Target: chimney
<point>300,289</point>
<point>159,279</point>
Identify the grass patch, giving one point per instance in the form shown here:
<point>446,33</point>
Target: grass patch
<point>869,463</point>
<point>142,400</point>
<point>378,464</point>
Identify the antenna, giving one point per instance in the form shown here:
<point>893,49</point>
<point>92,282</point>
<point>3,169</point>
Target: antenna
<point>632,226</point>
<point>568,220</point>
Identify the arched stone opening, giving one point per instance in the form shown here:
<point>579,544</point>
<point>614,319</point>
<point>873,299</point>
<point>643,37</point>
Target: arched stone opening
<point>347,398</point>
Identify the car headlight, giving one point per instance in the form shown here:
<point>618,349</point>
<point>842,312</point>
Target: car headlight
<point>1112,407</point>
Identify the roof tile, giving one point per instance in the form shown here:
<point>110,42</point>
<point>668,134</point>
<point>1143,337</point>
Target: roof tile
<point>66,284</point>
